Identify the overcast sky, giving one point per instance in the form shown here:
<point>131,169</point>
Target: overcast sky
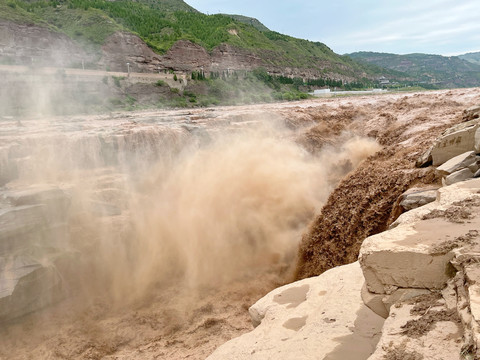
<point>446,27</point>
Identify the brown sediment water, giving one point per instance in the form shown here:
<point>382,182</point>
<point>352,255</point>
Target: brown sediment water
<point>180,220</point>
<point>175,225</point>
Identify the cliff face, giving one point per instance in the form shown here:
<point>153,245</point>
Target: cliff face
<point>40,46</point>
<point>34,45</point>
<point>123,47</point>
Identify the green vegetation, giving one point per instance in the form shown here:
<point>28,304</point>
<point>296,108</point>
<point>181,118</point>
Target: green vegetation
<point>116,80</point>
<point>161,23</point>
<point>249,21</point>
<point>12,11</point>
<point>234,88</point>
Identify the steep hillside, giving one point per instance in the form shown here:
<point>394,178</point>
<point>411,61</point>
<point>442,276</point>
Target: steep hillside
<point>167,5</point>
<point>471,57</point>
<point>164,25</point>
<point>433,71</point>
<point>250,21</point>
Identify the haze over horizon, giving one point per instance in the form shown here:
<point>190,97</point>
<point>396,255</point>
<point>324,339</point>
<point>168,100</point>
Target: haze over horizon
<point>443,27</point>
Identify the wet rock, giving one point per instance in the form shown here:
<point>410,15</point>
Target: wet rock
<point>457,176</point>
<point>317,318</point>
<point>8,168</point>
<point>416,197</point>
<point>55,200</point>
<point>33,231</point>
<point>26,286</point>
<point>104,209</point>
<point>425,159</point>
<point>21,227</point>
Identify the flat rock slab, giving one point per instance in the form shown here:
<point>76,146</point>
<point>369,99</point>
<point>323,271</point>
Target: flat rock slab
<point>417,251</point>
<point>458,162</point>
<point>317,318</point>
<point>457,176</point>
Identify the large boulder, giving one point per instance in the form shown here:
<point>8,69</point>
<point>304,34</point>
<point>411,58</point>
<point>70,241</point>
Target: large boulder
<point>26,286</point>
<point>455,141</point>
<point>316,318</point>
<point>417,251</point>
<point>416,197</point>
<point>458,162</point>
<point>33,232</point>
<point>457,176</point>
<point>21,227</point>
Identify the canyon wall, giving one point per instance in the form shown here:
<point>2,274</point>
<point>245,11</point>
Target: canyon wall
<point>35,45</point>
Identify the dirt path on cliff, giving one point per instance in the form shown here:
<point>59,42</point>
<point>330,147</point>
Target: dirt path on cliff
<point>169,322</point>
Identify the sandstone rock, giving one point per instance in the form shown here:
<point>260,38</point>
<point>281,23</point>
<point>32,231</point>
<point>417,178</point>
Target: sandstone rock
<point>26,286</point>
<point>8,169</point>
<point>30,229</point>
<point>477,174</point>
<point>476,165</point>
<point>472,275</point>
<point>55,200</point>
<point>472,112</point>
<point>316,318</point>
<point>381,303</point>
<point>457,163</point>
<point>374,302</point>
<point>104,209</point>
<point>186,56</point>
<point>226,56</point>
<point>402,295</point>
<point>417,250</point>
<point>21,226</point>
<point>425,159</point>
<point>458,176</point>
<point>432,333</point>
<point>416,197</point>
<point>122,47</point>
<point>455,141</point>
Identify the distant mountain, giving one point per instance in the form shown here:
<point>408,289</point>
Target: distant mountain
<point>473,57</point>
<point>250,21</point>
<point>429,70</point>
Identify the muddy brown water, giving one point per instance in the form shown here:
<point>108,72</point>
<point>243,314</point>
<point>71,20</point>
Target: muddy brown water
<point>213,204</point>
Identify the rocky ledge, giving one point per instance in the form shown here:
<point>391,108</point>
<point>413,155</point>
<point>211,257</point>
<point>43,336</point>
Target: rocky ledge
<point>422,276</point>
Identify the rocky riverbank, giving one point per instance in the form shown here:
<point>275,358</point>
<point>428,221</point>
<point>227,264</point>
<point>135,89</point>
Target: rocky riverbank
<point>420,275</point>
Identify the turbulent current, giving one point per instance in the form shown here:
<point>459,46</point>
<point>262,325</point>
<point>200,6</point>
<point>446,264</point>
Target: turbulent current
<point>164,204</point>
